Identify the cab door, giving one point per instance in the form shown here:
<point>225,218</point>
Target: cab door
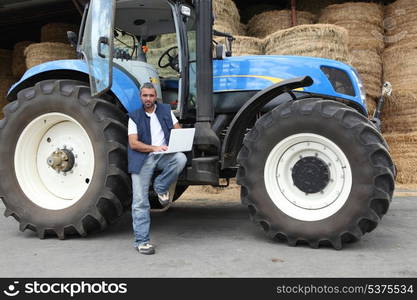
<point>97,44</point>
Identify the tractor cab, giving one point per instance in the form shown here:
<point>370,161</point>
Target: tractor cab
<point>151,41</point>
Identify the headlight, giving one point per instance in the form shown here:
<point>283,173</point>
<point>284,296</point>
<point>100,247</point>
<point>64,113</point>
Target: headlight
<point>340,80</point>
<point>360,85</point>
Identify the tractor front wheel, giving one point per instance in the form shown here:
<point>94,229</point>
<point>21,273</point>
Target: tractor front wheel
<point>63,160</point>
<point>315,171</point>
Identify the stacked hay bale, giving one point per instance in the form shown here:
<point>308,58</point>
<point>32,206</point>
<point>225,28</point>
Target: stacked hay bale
<point>6,78</point>
<point>5,62</point>
<point>401,24</point>
<point>266,23</point>
<point>39,53</point>
<point>363,21</point>
<point>400,56</point>
<point>245,45</point>
<point>400,113</point>
<point>403,151</point>
<point>18,61</point>
<point>400,68</point>
<point>399,118</point>
<point>56,32</point>
<point>316,7</point>
<point>227,18</point>
<point>319,40</point>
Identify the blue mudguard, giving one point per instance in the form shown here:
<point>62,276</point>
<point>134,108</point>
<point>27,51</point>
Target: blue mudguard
<point>123,86</point>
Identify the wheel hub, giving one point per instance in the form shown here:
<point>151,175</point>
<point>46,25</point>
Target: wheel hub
<point>308,176</point>
<point>61,160</point>
<point>311,174</point>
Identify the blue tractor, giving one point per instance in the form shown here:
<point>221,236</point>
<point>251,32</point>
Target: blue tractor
<point>293,130</point>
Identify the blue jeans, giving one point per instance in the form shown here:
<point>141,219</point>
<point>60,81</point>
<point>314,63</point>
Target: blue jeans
<point>171,166</point>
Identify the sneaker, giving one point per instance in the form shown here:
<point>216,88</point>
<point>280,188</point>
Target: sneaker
<point>146,249</point>
<point>164,199</point>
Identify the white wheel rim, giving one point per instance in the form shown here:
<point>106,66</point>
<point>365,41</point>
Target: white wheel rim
<point>41,184</point>
<point>288,197</point>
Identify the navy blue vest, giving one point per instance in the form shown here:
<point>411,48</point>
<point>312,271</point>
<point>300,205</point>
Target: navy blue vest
<point>136,159</point>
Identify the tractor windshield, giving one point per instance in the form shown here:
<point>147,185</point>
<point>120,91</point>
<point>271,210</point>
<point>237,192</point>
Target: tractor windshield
<point>153,40</point>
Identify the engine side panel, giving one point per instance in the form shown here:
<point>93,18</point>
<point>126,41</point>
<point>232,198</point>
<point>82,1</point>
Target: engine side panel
<point>249,73</point>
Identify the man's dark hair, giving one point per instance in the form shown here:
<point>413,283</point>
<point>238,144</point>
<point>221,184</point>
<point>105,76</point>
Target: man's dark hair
<point>147,85</point>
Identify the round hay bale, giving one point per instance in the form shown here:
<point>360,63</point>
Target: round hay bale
<point>363,22</point>
<point>319,40</point>
<point>399,113</point>
<point>226,9</point>
<point>368,63</point>
<point>315,7</point>
<point>362,12</point>
<point>226,28</point>
<point>5,84</point>
<point>246,45</point>
<point>43,52</point>
<point>226,15</point>
<point>402,149</point>
<point>56,32</point>
<point>18,62</point>
<point>370,106</point>
<point>400,68</point>
<point>5,62</point>
<point>401,24</point>
<point>364,36</point>
<point>263,24</point>
<point>242,29</point>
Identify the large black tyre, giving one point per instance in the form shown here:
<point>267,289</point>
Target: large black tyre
<point>315,171</point>
<point>83,199</point>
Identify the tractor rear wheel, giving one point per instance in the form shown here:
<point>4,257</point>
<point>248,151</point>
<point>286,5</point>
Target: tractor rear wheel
<point>63,160</point>
<point>315,172</point>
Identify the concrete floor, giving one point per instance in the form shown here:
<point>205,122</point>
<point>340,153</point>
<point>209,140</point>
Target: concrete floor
<point>209,238</point>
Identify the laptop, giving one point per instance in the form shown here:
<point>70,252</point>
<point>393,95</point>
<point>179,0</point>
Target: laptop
<point>181,140</point>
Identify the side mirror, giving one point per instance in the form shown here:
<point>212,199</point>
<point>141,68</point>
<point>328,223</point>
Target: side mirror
<point>185,11</point>
<point>219,51</point>
<point>72,38</point>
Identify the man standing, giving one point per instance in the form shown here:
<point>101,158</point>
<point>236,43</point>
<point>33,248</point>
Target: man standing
<point>149,131</point>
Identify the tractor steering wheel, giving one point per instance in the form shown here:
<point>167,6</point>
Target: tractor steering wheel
<point>173,62</point>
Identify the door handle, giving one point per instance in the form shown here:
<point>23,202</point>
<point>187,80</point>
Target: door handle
<point>102,40</point>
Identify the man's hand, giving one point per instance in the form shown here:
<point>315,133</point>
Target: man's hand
<point>159,148</point>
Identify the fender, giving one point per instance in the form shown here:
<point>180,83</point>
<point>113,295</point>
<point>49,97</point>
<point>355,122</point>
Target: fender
<point>235,133</point>
<point>124,87</point>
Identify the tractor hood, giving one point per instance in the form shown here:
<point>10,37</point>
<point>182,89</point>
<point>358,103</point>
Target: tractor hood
<point>249,73</point>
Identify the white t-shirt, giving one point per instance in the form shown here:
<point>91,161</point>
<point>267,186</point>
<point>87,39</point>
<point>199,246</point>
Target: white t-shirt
<point>157,134</point>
